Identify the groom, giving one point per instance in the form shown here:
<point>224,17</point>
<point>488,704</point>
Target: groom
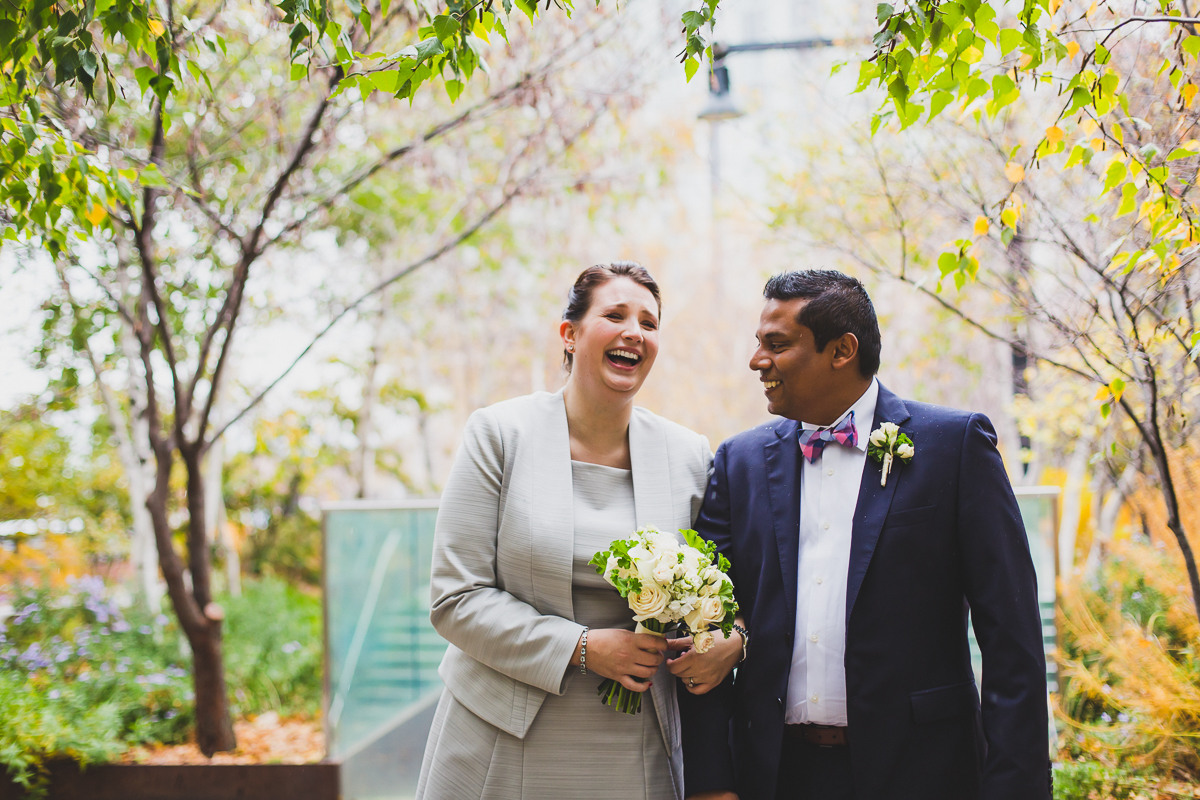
<point>854,585</point>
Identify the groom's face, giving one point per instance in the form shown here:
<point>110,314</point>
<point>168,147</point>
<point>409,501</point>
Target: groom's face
<point>790,368</point>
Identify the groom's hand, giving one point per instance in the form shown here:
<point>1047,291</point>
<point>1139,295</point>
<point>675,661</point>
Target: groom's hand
<point>703,672</point>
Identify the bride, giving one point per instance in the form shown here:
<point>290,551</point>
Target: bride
<point>541,483</point>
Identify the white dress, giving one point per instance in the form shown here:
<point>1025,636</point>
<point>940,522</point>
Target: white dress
<point>576,747</point>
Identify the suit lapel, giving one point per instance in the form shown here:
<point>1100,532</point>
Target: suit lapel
<point>551,507</point>
<point>873,500</point>
<point>783,488</point>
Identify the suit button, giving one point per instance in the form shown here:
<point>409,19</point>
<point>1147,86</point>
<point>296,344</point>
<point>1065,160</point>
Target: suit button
<point>779,700</point>
<point>788,636</point>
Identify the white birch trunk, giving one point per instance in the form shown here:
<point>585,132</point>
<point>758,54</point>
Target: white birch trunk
<point>1072,509</point>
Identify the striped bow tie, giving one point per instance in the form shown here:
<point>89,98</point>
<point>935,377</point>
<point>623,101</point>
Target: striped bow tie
<point>813,441</point>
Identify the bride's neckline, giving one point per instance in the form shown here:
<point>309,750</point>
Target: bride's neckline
<point>598,466</point>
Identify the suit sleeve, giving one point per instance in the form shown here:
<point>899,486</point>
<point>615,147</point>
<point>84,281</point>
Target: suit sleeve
<point>1001,588</point>
<point>705,719</point>
<point>466,606</point>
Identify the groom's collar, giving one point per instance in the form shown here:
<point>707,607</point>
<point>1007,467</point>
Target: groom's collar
<point>888,408</point>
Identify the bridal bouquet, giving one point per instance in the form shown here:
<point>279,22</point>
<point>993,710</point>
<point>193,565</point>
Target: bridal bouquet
<point>669,586</point>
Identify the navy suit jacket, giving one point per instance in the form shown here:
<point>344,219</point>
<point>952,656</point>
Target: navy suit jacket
<point>944,536</point>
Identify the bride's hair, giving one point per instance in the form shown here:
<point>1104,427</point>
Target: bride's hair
<point>579,298</point>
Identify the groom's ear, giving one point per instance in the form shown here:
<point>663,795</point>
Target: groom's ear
<point>845,351</point>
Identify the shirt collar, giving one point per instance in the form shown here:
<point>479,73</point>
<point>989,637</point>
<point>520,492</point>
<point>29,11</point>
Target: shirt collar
<point>864,415</point>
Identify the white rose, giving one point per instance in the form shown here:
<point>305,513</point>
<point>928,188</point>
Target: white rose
<point>691,560</point>
<point>694,619</point>
<point>905,451</point>
<point>891,430</point>
<point>879,438</point>
<point>664,568</point>
<point>712,611</point>
<point>703,641</point>
<point>649,602</point>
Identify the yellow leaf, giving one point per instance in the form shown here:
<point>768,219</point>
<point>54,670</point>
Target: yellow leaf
<point>97,214</point>
<point>1088,126</point>
<point>1091,9</point>
<point>981,225</point>
<point>1189,93</point>
<point>1054,6</point>
<point>1014,172</point>
<point>1025,60</point>
<point>1073,47</point>
<point>1101,393</point>
<point>1009,217</point>
<point>1097,144</point>
<point>1118,133</point>
<point>156,27</point>
<point>1054,134</point>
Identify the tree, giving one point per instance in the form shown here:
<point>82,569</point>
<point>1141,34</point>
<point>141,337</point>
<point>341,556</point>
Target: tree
<point>173,157</point>
<point>1110,91</point>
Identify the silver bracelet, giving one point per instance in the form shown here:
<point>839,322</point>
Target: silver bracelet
<point>583,652</point>
<point>745,639</point>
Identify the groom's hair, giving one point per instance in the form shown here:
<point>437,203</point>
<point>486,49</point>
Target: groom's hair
<point>837,305</point>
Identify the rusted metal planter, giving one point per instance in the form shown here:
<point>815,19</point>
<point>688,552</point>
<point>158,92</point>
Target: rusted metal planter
<point>186,782</point>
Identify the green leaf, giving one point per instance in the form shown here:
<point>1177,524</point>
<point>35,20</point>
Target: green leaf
<point>1113,176</point>
<point>1191,46</point>
<point>1009,39</point>
<point>153,178</point>
<point>1179,152</point>
<point>947,263</point>
<point>299,72</point>
<point>144,75</point>
<point>445,28</point>
<point>1128,199</point>
<point>690,67</point>
<point>939,102</point>
<point>882,12</point>
<point>454,89</point>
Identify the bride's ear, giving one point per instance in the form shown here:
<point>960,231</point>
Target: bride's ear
<point>567,331</point>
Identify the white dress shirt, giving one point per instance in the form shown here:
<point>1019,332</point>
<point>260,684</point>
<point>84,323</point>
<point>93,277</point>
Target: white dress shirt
<point>828,496</point>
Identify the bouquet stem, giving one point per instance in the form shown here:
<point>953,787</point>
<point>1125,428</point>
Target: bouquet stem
<point>614,694</point>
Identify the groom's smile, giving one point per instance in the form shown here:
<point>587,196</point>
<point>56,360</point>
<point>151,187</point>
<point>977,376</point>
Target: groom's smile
<point>800,381</point>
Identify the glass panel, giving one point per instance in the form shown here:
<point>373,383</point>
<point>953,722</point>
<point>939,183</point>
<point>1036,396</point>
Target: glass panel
<point>382,653</point>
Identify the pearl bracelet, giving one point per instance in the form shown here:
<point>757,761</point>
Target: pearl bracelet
<point>583,652</point>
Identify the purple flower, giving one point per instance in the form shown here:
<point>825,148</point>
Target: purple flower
<point>121,626</point>
<point>291,647</point>
<point>32,658</point>
<point>25,613</point>
<point>161,619</point>
<point>145,630</point>
<point>54,694</point>
<point>171,714</point>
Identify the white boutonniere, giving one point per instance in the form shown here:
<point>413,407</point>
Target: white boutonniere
<point>887,445</point>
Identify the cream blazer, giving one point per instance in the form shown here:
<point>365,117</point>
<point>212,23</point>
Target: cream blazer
<point>503,549</point>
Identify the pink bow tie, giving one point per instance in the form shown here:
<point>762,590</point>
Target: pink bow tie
<point>813,441</point>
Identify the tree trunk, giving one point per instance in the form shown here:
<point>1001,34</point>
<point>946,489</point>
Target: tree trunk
<point>1175,521</point>
<point>1072,510</point>
<point>214,725</point>
<point>214,516</point>
<point>1106,520</point>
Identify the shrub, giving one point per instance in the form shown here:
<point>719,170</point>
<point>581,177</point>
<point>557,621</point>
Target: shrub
<point>85,679</point>
<point>1131,694</point>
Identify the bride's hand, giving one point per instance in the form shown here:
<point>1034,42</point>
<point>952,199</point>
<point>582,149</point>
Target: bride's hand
<point>629,658</point>
<point>702,672</point>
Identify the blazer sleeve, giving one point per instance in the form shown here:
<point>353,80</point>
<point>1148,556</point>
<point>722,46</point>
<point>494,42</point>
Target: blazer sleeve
<point>705,719</point>
<point>1001,587</point>
<point>467,608</point>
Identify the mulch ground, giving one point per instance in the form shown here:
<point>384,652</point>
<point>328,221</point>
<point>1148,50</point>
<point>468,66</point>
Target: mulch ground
<point>265,739</point>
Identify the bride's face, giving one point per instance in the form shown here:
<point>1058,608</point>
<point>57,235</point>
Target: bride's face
<point>616,342</point>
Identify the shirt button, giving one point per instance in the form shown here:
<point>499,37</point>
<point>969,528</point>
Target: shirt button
<point>815,637</point>
<point>828,472</point>
<point>816,699</point>
<point>820,579</point>
<point>825,525</point>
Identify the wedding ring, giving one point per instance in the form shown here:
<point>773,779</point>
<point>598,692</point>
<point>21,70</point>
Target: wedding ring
<point>692,683</point>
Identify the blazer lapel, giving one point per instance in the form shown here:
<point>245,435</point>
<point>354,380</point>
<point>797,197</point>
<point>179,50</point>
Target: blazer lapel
<point>783,487</point>
<point>873,500</point>
<point>551,508</point>
<point>651,472</point>
<point>652,506</point>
